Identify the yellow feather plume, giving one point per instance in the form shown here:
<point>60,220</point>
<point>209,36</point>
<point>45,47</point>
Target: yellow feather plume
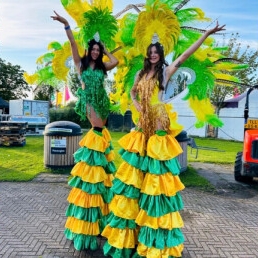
<point>159,19</point>
<point>76,9</point>
<point>30,79</point>
<point>201,108</point>
<point>102,4</point>
<point>223,76</point>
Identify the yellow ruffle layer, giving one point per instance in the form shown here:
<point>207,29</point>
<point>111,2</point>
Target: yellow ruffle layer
<point>130,175</point>
<point>163,147</point>
<point>105,209</point>
<point>82,227</point>
<point>166,184</point>
<point>121,238</point>
<point>157,253</point>
<point>175,128</point>
<point>110,156</point>
<point>133,142</point>
<point>94,141</point>
<point>124,207</point>
<point>168,221</point>
<point>108,180</point>
<point>82,199</point>
<point>106,134</point>
<point>90,174</point>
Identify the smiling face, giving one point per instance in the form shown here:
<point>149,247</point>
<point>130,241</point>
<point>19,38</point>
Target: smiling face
<point>95,52</point>
<point>153,55</point>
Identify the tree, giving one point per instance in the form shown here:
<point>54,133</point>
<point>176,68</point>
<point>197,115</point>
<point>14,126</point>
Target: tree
<point>244,55</point>
<point>12,83</point>
<point>44,92</point>
<point>247,77</point>
<point>73,81</point>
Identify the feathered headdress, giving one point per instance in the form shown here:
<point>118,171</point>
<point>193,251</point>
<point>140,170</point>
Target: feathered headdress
<point>101,21</point>
<point>159,19</point>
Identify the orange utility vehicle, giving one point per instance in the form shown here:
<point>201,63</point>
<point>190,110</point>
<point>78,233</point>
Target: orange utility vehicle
<point>246,164</point>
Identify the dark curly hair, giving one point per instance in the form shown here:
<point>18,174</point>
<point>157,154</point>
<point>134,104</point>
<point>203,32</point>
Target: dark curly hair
<point>87,58</point>
<point>159,66</point>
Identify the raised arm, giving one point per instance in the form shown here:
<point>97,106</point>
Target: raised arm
<point>74,48</point>
<point>113,62</point>
<point>171,69</point>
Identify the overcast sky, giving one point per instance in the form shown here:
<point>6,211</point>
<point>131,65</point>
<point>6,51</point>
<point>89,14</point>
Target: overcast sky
<point>26,28</point>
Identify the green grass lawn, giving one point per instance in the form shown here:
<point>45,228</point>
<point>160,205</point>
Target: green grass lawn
<point>24,163</point>
<point>226,153</point>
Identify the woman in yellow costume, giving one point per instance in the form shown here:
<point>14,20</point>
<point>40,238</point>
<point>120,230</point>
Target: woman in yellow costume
<point>145,209</point>
<point>92,175</point>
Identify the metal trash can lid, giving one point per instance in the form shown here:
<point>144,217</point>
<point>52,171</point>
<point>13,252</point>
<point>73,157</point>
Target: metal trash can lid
<point>62,128</point>
<point>182,137</point>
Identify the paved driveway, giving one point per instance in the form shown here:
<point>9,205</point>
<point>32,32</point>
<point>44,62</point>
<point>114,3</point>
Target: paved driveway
<point>222,223</point>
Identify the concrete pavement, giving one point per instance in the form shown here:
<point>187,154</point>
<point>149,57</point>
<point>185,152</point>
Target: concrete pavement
<point>218,224</point>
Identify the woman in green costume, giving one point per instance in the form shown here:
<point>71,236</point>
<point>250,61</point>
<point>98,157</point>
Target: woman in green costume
<point>145,219</point>
<point>92,175</point>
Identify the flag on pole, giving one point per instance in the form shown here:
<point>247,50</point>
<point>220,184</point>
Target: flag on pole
<point>67,93</point>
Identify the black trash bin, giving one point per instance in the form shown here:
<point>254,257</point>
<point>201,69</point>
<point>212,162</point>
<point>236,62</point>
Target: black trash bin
<point>61,140</point>
<point>182,158</point>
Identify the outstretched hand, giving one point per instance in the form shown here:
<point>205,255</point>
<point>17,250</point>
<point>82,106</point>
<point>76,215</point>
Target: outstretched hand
<point>216,29</point>
<point>59,18</point>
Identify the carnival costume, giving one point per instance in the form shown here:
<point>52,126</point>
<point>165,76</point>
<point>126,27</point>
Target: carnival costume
<point>94,95</point>
<point>145,208</point>
<point>144,220</point>
<point>92,175</point>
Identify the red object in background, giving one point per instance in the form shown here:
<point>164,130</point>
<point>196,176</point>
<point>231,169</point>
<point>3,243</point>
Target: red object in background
<point>250,146</point>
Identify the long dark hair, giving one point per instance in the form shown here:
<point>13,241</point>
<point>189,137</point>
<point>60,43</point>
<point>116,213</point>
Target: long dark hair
<point>158,67</point>
<point>87,58</point>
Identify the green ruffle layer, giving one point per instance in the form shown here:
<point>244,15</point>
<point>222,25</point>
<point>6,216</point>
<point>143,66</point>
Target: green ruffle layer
<point>103,222</point>
<point>92,214</point>
<point>132,158</point>
<point>159,205</point>
<point>136,255</point>
<point>82,242</point>
<point>117,222</point>
<point>160,167</point>
<point>121,188</point>
<point>110,148</point>
<point>160,238</point>
<point>108,195</point>
<point>110,168</point>
<point>97,188</point>
<point>91,157</point>
<point>153,166</point>
<point>117,253</point>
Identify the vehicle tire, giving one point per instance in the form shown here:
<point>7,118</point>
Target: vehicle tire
<point>237,170</point>
<point>238,165</point>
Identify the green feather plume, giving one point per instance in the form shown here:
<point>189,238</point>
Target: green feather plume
<point>46,58</point>
<point>54,45</point>
<point>186,16</point>
<point>101,21</point>
<point>127,25</point>
<point>204,83</point>
<point>135,65</point>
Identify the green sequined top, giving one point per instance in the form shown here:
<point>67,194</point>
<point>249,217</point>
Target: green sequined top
<point>93,95</point>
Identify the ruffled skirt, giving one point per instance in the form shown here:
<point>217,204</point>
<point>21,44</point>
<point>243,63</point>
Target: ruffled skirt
<point>145,219</point>
<point>90,196</point>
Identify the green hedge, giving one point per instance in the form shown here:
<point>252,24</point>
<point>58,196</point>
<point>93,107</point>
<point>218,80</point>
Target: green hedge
<point>67,113</point>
